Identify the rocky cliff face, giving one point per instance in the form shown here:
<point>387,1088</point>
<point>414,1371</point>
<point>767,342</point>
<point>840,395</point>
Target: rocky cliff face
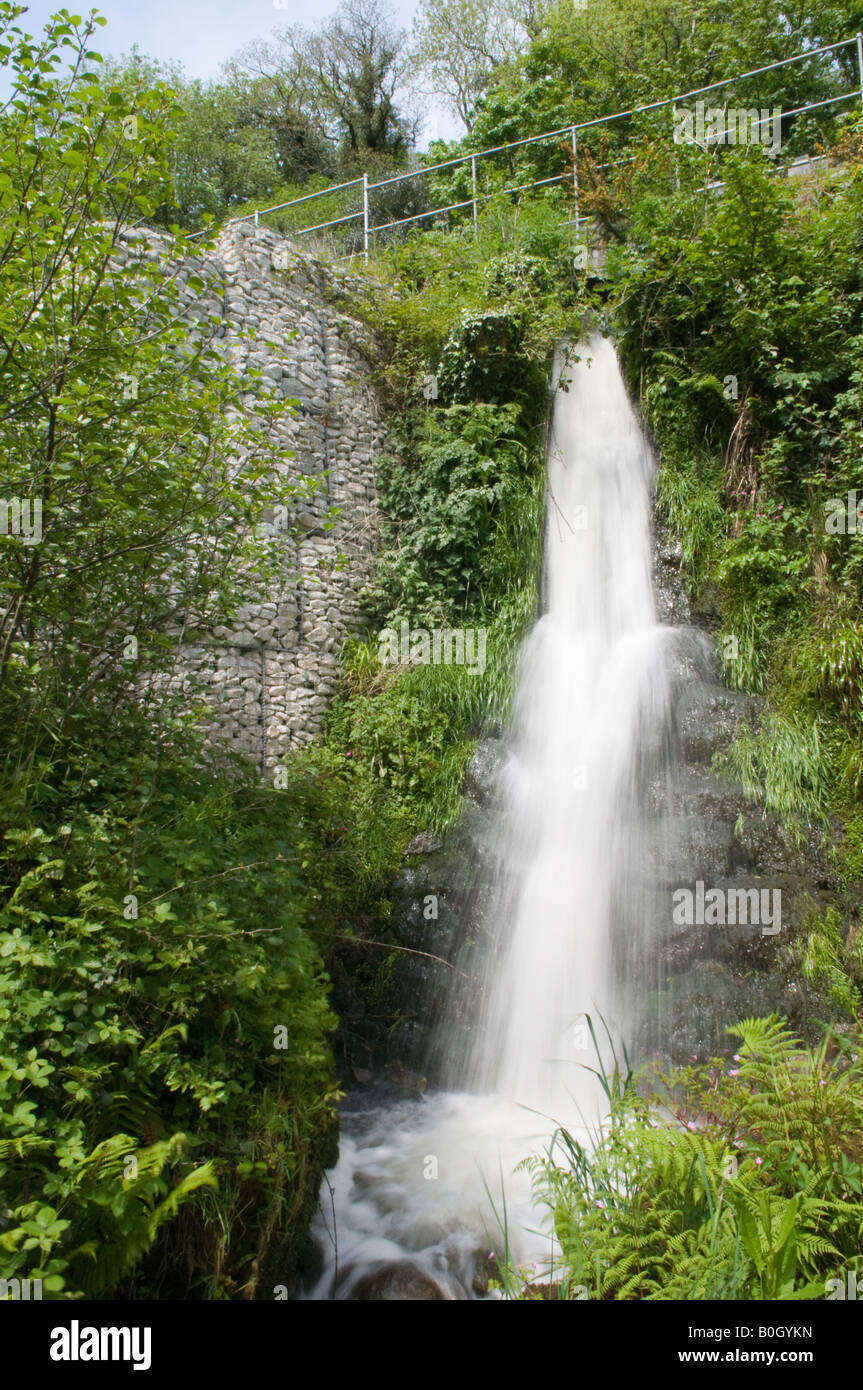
<point>711,975</point>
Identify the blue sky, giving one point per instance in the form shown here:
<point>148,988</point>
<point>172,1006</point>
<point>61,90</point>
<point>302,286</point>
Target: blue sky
<point>201,34</point>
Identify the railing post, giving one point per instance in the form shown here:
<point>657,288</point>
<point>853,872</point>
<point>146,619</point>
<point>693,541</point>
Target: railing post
<point>575,170</point>
<point>366,216</point>
<point>860,64</point>
<point>256,217</point>
<point>473,188</point>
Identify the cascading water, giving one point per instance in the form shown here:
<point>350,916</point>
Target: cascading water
<point>589,724</point>
<point>420,1188</point>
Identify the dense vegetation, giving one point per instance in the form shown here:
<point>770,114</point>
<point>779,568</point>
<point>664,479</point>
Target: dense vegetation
<point>740,1178</point>
<point>740,320</point>
<point>170,925</point>
<point>144,989</point>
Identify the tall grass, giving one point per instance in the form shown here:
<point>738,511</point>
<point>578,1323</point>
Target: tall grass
<point>784,766</point>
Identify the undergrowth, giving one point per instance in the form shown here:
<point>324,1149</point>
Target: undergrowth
<point>740,1178</point>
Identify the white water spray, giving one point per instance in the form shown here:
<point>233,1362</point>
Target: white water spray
<point>589,720</point>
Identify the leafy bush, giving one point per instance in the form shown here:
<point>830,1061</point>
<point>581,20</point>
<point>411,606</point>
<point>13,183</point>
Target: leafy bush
<point>143,983</point>
<point>449,511</point>
<point>481,358</point>
<point>739,319</point>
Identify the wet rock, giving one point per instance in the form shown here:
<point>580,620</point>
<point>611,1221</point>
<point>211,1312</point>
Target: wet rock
<point>671,603</point>
<point>424,843</point>
<point>766,842</point>
<point>482,772</point>
<point>708,717</point>
<point>397,1281</point>
<point>481,1274</point>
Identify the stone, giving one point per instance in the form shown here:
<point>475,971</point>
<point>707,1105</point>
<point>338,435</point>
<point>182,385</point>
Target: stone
<point>291,307</point>
<point>396,1281</point>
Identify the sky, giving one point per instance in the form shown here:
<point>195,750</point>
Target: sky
<point>202,34</point>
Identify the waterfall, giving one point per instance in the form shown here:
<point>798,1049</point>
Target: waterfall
<point>571,906</point>
<point>420,1187</point>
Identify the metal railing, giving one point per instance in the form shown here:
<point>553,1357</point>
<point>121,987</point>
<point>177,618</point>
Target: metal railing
<point>370,228</point>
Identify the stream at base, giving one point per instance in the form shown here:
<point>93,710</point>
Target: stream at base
<point>425,1194</point>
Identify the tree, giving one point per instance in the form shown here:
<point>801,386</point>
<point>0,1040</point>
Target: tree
<point>119,421</point>
<point>132,478</point>
<point>347,76</point>
<point>458,45</point>
<point>233,141</point>
<point>271,109</point>
<point>597,57</point>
